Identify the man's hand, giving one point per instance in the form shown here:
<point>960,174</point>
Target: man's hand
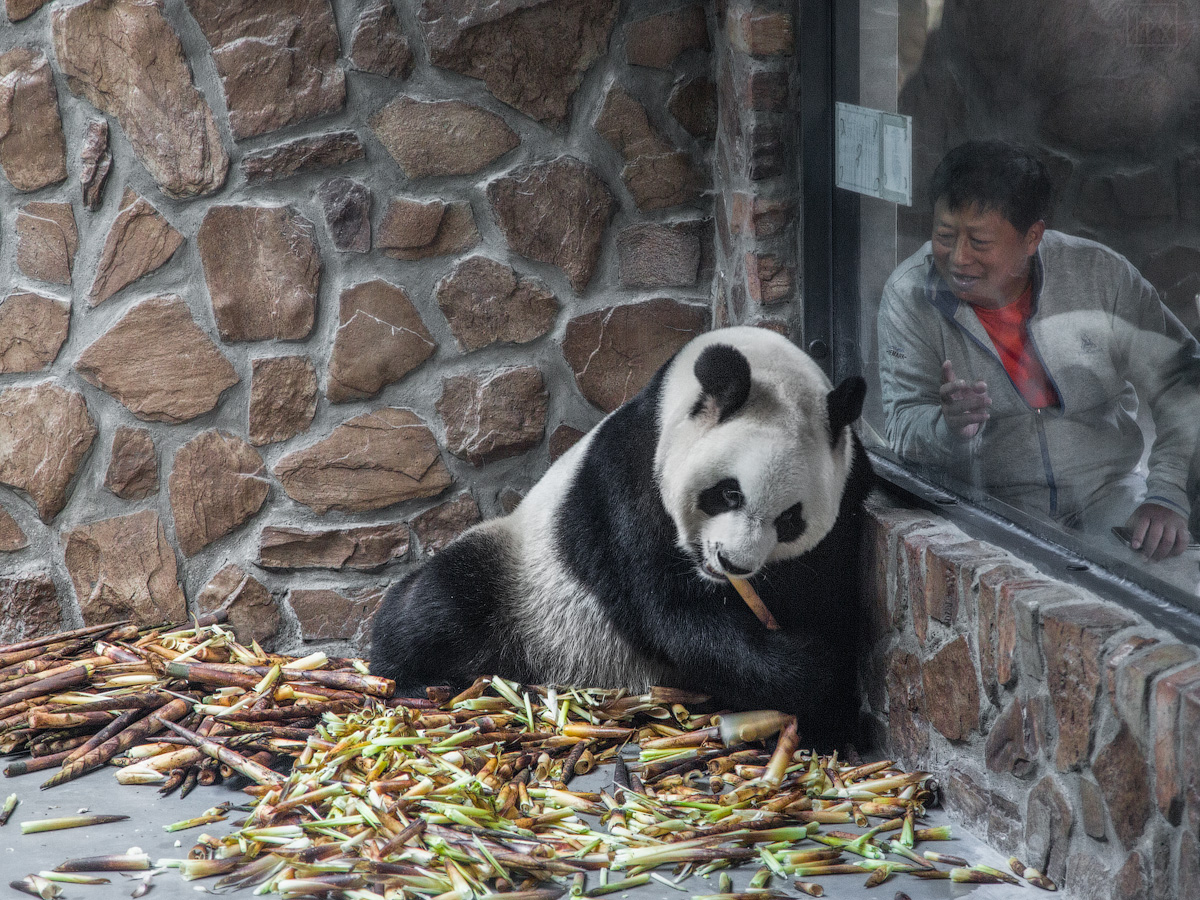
<point>964,405</point>
<point>1157,531</point>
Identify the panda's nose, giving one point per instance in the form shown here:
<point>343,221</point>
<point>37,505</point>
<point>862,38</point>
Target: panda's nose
<point>730,568</point>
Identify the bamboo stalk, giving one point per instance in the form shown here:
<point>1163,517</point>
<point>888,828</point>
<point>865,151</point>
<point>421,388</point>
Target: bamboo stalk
<point>138,731</point>
<point>256,772</point>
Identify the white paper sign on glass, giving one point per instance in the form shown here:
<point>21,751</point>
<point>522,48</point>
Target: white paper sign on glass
<point>874,153</point>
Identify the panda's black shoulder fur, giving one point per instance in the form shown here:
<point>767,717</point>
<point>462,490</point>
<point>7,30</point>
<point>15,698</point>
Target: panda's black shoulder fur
<point>451,619</point>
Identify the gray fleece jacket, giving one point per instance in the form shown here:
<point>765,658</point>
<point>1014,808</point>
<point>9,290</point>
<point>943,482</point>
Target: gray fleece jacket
<point>1107,343</point>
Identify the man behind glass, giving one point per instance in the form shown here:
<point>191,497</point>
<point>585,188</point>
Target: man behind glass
<point>1016,356</point>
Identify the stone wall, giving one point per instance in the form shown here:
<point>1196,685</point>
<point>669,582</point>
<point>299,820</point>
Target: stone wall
<point>296,291</point>
<point>1066,729</point>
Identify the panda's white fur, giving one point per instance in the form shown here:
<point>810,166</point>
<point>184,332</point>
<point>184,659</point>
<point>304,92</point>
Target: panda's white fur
<point>777,447</point>
<point>611,571</point>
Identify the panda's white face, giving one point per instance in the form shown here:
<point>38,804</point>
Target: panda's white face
<point>749,475</point>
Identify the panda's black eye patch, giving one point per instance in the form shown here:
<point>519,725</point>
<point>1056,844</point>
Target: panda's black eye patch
<point>723,496</point>
<point>790,524</point>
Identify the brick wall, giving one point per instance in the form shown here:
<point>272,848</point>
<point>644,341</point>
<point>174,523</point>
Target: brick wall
<point>1067,729</point>
<point>756,172</point>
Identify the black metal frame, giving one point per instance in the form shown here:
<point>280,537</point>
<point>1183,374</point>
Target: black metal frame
<point>828,71</point>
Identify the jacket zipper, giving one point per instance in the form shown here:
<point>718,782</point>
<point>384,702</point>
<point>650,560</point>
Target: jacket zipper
<point>1041,432</point>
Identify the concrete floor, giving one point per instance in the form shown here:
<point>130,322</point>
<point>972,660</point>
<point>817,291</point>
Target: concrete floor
<point>99,793</point>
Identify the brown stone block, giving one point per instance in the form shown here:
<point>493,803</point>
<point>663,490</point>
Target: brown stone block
<point>913,548</point>
<point>657,41</point>
<point>132,472</point>
<point>125,568</point>
<point>767,152</point>
<point>139,241</point>
<point>95,162</point>
<point>1189,754</point>
<point>378,45</point>
<point>908,730</point>
<point>33,151</point>
<point>1135,678</point>
<point>137,362</point>
<point>263,269</point>
<point>438,526</point>
<point>217,483</point>
<point>278,61</point>
<point>951,689</point>
<point>1169,741</point>
<point>380,339</point>
<point>505,44</point>
<point>32,331</point>
<point>283,398</point>
<point>45,435</point>
<point>771,216</point>
<point>1087,875</point>
<point>657,174</point>
<point>950,571</point>
<point>765,90</point>
<point>347,207</point>
<point>127,61</point>
<point>991,583</point>
<point>29,607</point>
<point>494,416</point>
<point>760,32</point>
<point>1049,820</point>
<point>1123,772</point>
<point>371,461</point>
<point>1073,638</point>
<point>322,151</point>
<point>414,229</point>
<point>693,103</point>
<point>366,547</point>
<point>652,254</point>
<point>250,609</point>
<point>768,278</point>
<point>1017,647</point>
<point>1123,651</point>
<point>46,241</point>
<point>1094,814</point>
<point>615,351</point>
<point>327,615</point>
<point>22,9</point>
<point>11,536</point>
<point>441,137</point>
<point>562,439</point>
<point>1188,868</point>
<point>886,593</point>
<point>1015,740</point>
<point>487,302</point>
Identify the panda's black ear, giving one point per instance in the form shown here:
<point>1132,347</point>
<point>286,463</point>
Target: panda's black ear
<point>724,376</point>
<point>844,404</point>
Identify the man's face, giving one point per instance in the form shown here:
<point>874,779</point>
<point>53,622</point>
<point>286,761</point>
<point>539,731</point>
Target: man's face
<point>981,256</point>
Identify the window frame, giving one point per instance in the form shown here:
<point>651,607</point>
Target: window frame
<point>828,67</point>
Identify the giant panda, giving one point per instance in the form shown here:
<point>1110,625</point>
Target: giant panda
<point>736,459</point>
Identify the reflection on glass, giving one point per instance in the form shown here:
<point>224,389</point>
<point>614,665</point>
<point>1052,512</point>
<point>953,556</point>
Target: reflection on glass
<point>1048,360</point>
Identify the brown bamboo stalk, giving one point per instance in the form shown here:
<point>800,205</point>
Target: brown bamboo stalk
<point>256,772</point>
<point>71,677</point>
<point>346,681</point>
<point>131,735</point>
<point>86,631</point>
<point>48,720</point>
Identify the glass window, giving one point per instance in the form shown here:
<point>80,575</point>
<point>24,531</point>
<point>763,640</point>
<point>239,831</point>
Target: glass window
<point>1074,330</point>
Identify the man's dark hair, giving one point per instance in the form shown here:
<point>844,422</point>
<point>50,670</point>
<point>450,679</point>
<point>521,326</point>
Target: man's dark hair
<point>994,175</point>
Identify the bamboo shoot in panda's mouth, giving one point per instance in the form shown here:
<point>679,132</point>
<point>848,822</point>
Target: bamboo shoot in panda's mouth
<point>742,586</point>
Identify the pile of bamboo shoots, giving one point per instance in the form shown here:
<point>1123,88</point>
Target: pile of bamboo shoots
<point>358,794</point>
